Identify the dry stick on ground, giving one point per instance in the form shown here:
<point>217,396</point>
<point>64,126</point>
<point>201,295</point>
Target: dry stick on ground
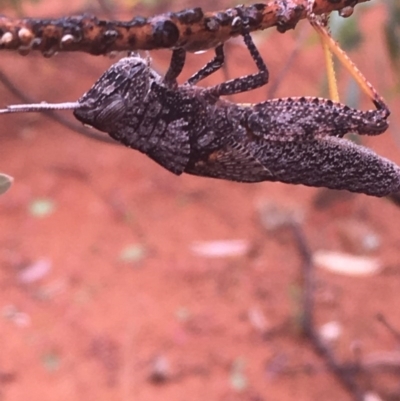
<point>191,29</point>
<point>382,319</point>
<point>343,372</point>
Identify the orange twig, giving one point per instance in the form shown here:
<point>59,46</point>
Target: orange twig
<point>192,29</point>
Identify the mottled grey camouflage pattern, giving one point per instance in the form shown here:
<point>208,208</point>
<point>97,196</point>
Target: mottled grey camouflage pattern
<point>188,129</point>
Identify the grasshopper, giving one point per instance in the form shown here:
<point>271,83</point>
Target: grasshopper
<point>190,129</point>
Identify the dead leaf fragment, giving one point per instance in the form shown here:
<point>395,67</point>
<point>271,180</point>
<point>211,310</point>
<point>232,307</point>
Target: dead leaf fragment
<point>347,264</point>
<point>34,271</point>
<point>220,249</point>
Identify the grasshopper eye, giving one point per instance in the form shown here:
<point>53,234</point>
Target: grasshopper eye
<point>104,115</point>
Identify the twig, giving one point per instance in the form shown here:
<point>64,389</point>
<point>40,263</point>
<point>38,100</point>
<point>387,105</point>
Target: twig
<point>343,372</point>
<point>382,319</point>
<point>191,29</point>
<point>53,115</point>
<point>307,321</point>
<point>283,72</point>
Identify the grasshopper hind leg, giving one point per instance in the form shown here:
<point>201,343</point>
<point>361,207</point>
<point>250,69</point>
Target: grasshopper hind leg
<point>381,107</point>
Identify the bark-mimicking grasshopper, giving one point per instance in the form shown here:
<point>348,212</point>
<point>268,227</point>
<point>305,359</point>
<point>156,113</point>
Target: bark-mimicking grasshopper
<point>190,129</point>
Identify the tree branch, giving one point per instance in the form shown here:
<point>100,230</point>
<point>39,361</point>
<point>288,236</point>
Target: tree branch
<point>191,29</point>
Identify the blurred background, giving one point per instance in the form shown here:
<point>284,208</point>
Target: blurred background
<point>120,281</point>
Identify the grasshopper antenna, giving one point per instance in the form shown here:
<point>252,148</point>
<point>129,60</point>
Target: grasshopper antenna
<point>35,107</point>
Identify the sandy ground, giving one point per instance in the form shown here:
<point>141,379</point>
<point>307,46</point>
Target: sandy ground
<point>122,307</point>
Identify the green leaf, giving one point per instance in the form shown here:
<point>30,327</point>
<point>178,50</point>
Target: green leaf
<point>347,32</point>
<point>132,253</point>
<point>41,207</point>
<point>392,31</point>
<point>51,361</point>
<point>16,4</point>
<point>5,183</point>
<point>238,377</point>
